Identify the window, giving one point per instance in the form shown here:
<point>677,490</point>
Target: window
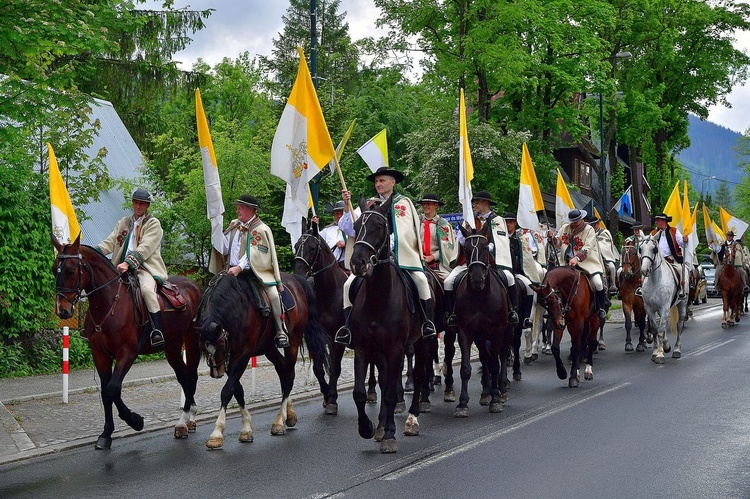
<point>583,172</point>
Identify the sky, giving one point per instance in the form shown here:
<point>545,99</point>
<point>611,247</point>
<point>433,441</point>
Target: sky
<point>237,26</point>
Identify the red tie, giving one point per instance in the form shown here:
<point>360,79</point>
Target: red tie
<point>427,237</point>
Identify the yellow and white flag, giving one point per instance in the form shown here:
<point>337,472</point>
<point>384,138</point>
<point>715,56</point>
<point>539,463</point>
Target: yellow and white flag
<point>301,147</point>
<point>730,222</point>
<point>64,223</point>
<point>714,235</point>
<point>686,218</point>
<point>340,147</point>
<point>374,152</point>
<point>529,196</point>
<point>465,165</point>
<point>214,199</point>
<point>563,201</point>
<point>673,208</point>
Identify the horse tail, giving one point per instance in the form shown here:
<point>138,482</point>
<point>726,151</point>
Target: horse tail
<point>317,339</point>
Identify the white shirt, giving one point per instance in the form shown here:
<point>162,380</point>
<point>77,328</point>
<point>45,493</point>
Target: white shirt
<point>664,245</point>
<point>234,251</point>
<point>131,241</point>
<point>332,236</point>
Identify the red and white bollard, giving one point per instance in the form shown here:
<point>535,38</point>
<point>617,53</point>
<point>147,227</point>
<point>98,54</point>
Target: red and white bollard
<point>65,363</point>
<point>253,369</point>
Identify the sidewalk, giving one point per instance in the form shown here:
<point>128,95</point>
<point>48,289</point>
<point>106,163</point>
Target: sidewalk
<point>34,421</point>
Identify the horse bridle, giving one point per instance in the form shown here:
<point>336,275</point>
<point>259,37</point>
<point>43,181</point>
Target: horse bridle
<point>362,233</point>
<point>654,259</point>
<point>630,263</point>
<point>210,358</point>
<point>314,260</point>
<point>564,307</point>
<point>474,257</point>
<point>61,290</point>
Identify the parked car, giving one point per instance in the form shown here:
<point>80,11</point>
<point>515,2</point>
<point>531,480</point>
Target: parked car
<point>710,272</point>
<point>701,287</point>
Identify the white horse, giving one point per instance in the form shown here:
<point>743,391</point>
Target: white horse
<point>661,290</point>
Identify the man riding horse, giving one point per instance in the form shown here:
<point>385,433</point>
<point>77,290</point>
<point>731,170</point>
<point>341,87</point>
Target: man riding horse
<point>607,250</point>
<point>135,244</point>
<point>670,242</point>
<point>736,249</point>
<point>500,249</point>
<point>523,252</point>
<point>406,244</point>
<point>439,246</point>
<point>582,251</point>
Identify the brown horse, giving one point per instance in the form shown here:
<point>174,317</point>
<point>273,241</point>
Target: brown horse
<point>234,329</point>
<point>630,279</point>
<point>314,260</point>
<point>729,284</point>
<point>567,296</point>
<point>114,329</point>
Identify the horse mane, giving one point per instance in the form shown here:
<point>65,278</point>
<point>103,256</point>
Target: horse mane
<point>226,304</point>
<point>101,256</point>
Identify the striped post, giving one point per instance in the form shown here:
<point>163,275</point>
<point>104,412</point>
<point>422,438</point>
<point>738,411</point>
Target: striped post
<point>65,363</point>
<point>182,392</point>
<point>253,369</point>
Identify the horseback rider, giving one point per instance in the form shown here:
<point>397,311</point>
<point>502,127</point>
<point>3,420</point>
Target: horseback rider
<point>439,246</point>
<point>135,243</point>
<point>671,241</point>
<point>332,234</point>
<point>607,250</point>
<point>249,246</point>
<point>524,251</point>
<point>739,257</point>
<point>500,249</point>
<point>406,243</point>
<point>582,251</point>
<point>637,236</point>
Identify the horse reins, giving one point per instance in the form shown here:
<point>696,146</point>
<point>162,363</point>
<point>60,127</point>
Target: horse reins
<point>374,259</point>
<point>474,258</point>
<point>310,266</point>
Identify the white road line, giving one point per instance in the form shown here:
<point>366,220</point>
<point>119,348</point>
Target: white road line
<point>709,347</point>
<point>487,438</point>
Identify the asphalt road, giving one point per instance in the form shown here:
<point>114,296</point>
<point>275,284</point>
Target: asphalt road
<point>637,430</point>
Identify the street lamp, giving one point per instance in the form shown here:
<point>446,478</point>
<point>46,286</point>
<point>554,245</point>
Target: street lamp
<point>602,153</point>
<point>712,177</point>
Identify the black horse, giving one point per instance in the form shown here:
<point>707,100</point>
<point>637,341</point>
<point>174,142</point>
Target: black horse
<point>233,330</point>
<point>383,323</point>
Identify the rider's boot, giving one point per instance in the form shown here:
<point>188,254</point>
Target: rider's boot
<point>282,335</point>
<point>156,337</point>
<point>602,303</point>
<point>450,305</point>
<point>428,327</point>
<point>528,302</point>
<point>344,335</point>
<point>513,312</point>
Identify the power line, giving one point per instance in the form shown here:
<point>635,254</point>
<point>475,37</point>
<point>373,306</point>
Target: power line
<point>709,176</point>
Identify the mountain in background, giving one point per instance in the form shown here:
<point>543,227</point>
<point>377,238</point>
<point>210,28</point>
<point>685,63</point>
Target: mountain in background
<point>711,152</point>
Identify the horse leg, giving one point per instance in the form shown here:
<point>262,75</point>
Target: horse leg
<point>437,368</point>
<point>246,433</point>
<point>319,373</point>
<point>626,310</point>
<point>390,374</point>
<point>114,393</point>
<point>421,393</point>
<point>372,394</point>
<point>462,409</point>
<point>104,369</point>
<point>187,377</point>
<point>601,345</point>
<point>588,373</point>
<point>658,355</point>
<point>562,373</point>
<point>484,359</point>
<point>676,330</point>
<point>640,321</point>
<point>229,390</point>
<point>359,394</point>
<point>497,364</point>
<point>332,406</point>
<point>429,374</point>
<point>449,341</point>
<point>409,387</point>
<point>575,349</point>
<point>516,345</point>
<point>284,365</point>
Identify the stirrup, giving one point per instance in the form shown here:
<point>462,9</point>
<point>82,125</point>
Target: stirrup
<point>428,329</point>
<point>512,316</point>
<point>343,336</point>
<point>157,338</point>
<point>602,314</point>
<point>639,292</point>
<point>527,323</point>
<point>452,321</point>
<point>282,340</point>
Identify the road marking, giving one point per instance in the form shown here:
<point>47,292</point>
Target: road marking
<point>709,347</point>
<point>396,475</point>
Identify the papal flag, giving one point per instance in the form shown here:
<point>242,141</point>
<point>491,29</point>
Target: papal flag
<point>563,201</point>
<point>465,165</point>
<point>301,147</point>
<point>529,196</point>
<point>673,208</point>
<point>730,222</point>
<point>214,199</point>
<point>714,235</point>
<point>64,223</point>
<point>374,152</point>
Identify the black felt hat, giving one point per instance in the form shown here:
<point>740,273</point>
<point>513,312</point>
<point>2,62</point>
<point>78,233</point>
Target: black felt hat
<point>384,170</point>
<point>484,196</point>
<point>576,215</point>
<point>248,200</point>
<point>142,195</point>
<point>431,198</point>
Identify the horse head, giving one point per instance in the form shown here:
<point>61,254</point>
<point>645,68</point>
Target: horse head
<point>630,263</point>
<point>70,279</point>
<point>372,240</point>
<point>549,298</point>
<point>214,345</point>
<point>477,255</point>
<point>648,251</point>
<point>310,254</point>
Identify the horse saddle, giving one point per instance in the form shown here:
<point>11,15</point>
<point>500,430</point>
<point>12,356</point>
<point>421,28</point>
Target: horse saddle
<point>260,297</point>
<point>499,276</point>
<point>411,288</point>
<point>172,294</point>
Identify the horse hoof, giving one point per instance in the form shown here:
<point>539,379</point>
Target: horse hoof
<point>400,408</point>
<point>528,360</point>
<point>103,443</point>
<point>602,345</point>
<point>372,397</point>
<point>424,407</point>
<point>379,434</point>
<point>504,397</point>
<point>277,429</point>
<point>437,380</point>
<point>737,320</point>
<point>562,373</point>
<point>180,430</point>
<point>517,376</point>
<point>411,428</point>
<point>409,385</point>
<point>659,360</point>
<point>588,376</point>
<point>628,347</point>
<point>135,422</point>
<point>641,347</point>
<point>192,426</point>
<point>676,354</point>
<point>668,349</point>
<point>449,396</point>
<point>649,338</point>
<point>367,430</point>
<point>485,399</point>
<point>534,356</point>
<point>388,446</point>
<point>215,442</point>
<point>461,412</point>
<point>496,408</point>
<point>724,325</point>
<point>246,437</point>
<point>291,419</point>
<point>332,409</point>
<point>731,324</point>
<point>573,382</point>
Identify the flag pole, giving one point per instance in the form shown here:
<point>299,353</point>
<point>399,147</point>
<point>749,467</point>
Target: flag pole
<point>343,184</point>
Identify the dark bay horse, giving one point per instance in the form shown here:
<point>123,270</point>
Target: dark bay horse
<point>314,260</point>
<point>729,284</point>
<point>630,279</point>
<point>233,330</point>
<point>383,321</point>
<point>482,315</point>
<point>114,329</point>
<point>567,296</point>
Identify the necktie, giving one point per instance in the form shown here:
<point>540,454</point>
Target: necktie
<point>427,237</point>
